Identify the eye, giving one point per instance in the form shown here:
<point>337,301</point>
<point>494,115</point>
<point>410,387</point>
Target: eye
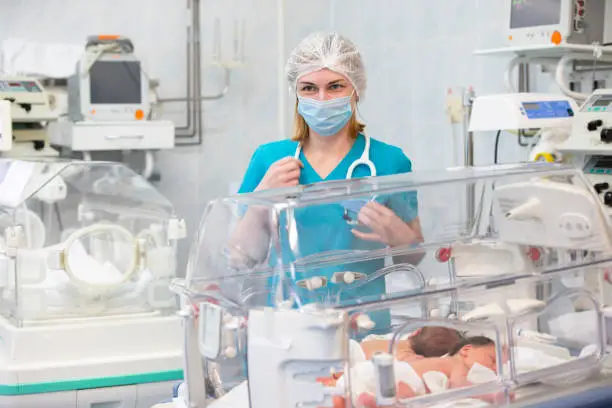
<point>308,88</point>
<point>336,86</point>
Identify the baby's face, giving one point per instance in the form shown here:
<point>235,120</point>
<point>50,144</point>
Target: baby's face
<point>483,355</point>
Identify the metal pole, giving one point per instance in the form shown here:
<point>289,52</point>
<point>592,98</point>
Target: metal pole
<point>468,153</point>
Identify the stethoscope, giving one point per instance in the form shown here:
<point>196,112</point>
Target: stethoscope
<point>364,160</point>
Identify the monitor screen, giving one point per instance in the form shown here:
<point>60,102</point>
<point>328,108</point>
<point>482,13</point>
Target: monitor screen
<point>603,163</point>
<point>534,13</point>
<point>115,82</point>
<point>547,109</point>
<point>604,100</point>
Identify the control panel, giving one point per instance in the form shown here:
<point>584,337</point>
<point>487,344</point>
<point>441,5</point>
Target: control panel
<point>598,103</point>
<point>599,171</point>
<point>546,109</point>
<point>19,86</point>
<point>29,101</point>
<point>592,128</point>
<point>522,111</point>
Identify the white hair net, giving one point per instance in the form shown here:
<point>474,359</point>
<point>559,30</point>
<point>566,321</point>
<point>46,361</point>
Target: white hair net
<point>327,50</point>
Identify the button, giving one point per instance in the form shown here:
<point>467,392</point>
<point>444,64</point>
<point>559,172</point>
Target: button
<point>575,225</point>
<point>534,254</point>
<point>443,254</point>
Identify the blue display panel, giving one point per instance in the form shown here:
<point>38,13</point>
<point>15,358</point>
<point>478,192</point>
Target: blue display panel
<point>547,110</point>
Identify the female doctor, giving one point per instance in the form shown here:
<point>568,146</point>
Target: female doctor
<point>327,74</point>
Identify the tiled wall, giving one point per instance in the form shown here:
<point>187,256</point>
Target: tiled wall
<point>414,51</point>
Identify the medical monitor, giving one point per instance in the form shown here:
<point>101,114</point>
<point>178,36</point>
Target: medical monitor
<point>112,88</point>
<point>555,22</point>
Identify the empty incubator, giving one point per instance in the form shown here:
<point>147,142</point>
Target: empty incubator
<point>479,287</point>
<point>87,254</point>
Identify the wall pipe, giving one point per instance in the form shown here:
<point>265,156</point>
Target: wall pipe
<point>194,95</point>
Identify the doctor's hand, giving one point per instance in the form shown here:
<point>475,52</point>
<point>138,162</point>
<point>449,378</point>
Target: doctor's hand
<point>283,173</point>
<point>386,226</point>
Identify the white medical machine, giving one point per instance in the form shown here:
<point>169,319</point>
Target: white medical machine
<point>276,299</point>
<point>30,114</point>
<point>109,104</point>
<point>589,144</point>
<point>555,22</point>
<point>87,251</point>
<point>551,115</point>
<point>516,111</point>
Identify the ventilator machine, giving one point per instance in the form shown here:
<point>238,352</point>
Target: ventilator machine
<point>87,252</point>
<point>265,321</point>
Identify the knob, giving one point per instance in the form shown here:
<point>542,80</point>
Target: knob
<point>601,187</point>
<point>606,135</point>
<point>314,283</point>
<point>594,124</point>
<point>349,277</point>
<point>608,198</point>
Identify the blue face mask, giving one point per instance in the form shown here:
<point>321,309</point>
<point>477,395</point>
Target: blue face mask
<point>325,117</point>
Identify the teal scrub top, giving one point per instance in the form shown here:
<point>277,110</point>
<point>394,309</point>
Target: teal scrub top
<point>323,228</point>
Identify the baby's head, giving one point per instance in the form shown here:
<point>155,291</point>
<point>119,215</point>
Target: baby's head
<point>477,349</point>
<point>434,341</point>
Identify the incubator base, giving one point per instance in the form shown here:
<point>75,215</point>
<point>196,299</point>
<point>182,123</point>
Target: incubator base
<point>131,396</point>
<point>135,358</point>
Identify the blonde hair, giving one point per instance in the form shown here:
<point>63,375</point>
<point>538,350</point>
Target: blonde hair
<point>301,131</point>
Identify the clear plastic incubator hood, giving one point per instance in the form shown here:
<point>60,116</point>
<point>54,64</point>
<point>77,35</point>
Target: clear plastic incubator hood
<point>87,254</point>
<point>285,305</point>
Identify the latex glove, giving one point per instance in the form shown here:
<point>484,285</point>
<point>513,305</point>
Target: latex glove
<point>282,173</point>
<point>386,226</point>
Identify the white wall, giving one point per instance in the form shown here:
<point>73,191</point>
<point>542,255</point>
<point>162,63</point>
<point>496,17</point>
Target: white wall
<point>413,50</point>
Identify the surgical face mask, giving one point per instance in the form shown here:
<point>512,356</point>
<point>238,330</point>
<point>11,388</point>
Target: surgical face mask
<point>325,117</point>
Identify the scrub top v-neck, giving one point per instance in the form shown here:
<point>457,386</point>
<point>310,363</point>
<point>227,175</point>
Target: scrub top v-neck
<point>309,175</point>
<point>322,228</point>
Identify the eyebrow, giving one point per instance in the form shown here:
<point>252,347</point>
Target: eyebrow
<point>329,83</point>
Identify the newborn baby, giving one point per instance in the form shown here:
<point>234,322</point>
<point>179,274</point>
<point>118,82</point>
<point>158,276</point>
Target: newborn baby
<point>428,375</point>
<point>430,341</point>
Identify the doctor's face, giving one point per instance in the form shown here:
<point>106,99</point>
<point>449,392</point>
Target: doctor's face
<point>324,85</point>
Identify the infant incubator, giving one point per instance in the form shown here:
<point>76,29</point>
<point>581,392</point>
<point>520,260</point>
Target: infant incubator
<point>87,254</point>
<point>518,254</point>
